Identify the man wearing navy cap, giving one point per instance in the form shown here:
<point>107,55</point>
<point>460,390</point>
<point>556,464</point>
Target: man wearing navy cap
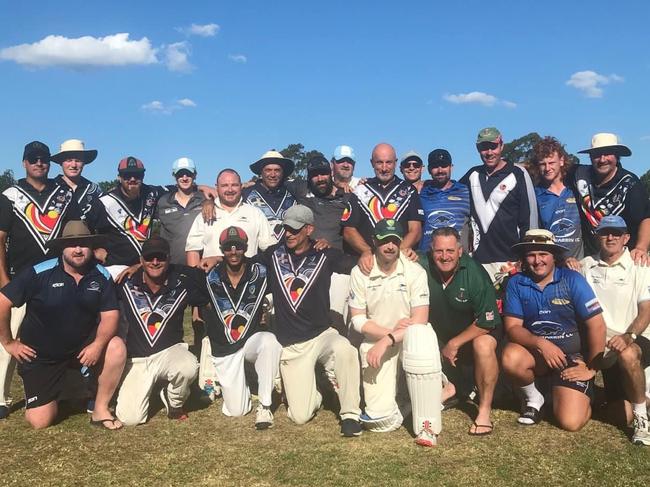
<point>445,202</point>
<point>32,213</point>
<point>623,290</point>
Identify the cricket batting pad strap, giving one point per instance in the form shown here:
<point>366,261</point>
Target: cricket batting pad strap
<point>421,362</point>
<point>207,371</point>
<point>383,424</point>
<point>358,321</point>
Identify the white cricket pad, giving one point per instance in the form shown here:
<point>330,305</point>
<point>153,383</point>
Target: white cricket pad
<point>384,424</point>
<point>421,363</point>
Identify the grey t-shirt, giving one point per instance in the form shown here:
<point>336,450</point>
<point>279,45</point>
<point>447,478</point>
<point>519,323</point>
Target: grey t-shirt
<point>175,222</point>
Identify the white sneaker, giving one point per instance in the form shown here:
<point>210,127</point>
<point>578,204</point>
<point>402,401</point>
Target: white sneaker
<point>263,418</point>
<point>426,437</point>
<point>641,435</point>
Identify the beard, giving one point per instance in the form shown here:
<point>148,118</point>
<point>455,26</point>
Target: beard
<point>322,189</point>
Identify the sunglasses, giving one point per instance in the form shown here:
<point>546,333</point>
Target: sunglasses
<point>292,231</point>
<point>37,159</point>
<point>487,146</point>
<point>161,257</point>
<point>411,165</point>
<point>234,247</point>
<point>345,159</point>
<point>184,172</point>
<point>614,232</point>
<point>138,176</point>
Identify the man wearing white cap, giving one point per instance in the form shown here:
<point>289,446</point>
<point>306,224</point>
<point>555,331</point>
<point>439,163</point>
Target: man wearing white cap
<point>623,290</point>
<point>411,167</point>
<point>177,210</point>
<point>343,162</point>
<point>73,157</point>
<point>605,188</point>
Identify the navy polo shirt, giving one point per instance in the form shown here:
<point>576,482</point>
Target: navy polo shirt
<point>61,314</point>
<point>559,214</point>
<point>555,311</point>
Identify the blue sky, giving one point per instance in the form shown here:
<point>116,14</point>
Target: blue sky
<point>251,76</point>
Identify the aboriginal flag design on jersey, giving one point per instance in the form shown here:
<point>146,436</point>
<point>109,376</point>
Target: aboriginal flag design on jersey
<point>295,280</point>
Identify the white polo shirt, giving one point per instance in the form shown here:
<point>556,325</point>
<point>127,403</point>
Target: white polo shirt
<point>205,236</point>
<point>619,287</point>
<point>389,298</point>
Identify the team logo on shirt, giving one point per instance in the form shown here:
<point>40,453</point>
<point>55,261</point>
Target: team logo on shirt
<point>560,301</point>
<point>378,207</point>
<point>42,221</point>
<point>236,315</point>
<point>153,316</point>
<point>274,217</point>
<point>295,281</point>
<point>563,228</point>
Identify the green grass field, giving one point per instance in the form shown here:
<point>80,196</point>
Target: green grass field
<point>210,449</point>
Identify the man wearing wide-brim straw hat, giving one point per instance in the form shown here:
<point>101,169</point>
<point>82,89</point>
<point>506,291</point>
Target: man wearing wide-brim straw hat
<point>71,322</point>
<point>544,305</point>
<point>73,157</point>
<point>606,188</point>
<point>269,193</point>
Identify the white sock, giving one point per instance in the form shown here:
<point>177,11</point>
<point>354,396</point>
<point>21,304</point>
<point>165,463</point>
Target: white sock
<point>534,398</point>
<point>640,410</point>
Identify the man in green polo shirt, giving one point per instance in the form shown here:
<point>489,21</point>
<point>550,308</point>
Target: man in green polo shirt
<point>464,314</point>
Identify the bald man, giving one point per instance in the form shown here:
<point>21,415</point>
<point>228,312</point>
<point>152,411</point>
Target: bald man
<point>384,196</point>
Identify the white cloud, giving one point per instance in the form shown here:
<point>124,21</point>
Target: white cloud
<point>156,106</point>
<point>645,137</point>
<point>238,58</point>
<point>177,57</point>
<point>204,30</point>
<point>478,97</point>
<point>87,51</point>
<point>591,83</point>
<point>186,102</point>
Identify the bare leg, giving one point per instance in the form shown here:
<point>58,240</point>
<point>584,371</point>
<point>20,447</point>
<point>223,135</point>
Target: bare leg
<point>42,416</point>
<point>110,372</point>
<point>486,371</point>
<point>572,408</point>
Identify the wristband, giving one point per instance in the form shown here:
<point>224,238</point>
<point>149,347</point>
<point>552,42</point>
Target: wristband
<point>392,339</point>
<point>358,321</point>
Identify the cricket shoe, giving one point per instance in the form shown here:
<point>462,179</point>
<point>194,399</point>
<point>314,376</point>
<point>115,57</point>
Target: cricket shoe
<point>263,418</point>
<point>641,435</point>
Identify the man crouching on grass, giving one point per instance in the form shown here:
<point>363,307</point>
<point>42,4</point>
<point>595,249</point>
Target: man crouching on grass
<point>66,298</point>
<point>547,309</point>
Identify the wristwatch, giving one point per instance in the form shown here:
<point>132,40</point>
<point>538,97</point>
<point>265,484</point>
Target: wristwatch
<point>632,335</point>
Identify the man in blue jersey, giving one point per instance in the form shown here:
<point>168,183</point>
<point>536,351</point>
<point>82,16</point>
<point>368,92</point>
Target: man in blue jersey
<point>445,202</point>
<point>70,323</point>
<point>558,211</point>
<point>550,312</point>
<point>503,204</point>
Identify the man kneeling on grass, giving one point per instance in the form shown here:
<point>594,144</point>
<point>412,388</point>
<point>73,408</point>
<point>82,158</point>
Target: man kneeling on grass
<point>545,310</point>
<point>153,304</point>
<point>390,307</point>
<point>70,323</point>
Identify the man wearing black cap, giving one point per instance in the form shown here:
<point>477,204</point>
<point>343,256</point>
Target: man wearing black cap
<point>445,202</point>
<point>234,295</point>
<point>71,322</point>
<point>299,278</point>
<point>31,214</point>
<point>384,196</point>
<point>269,193</point>
<point>411,167</point>
<point>153,302</point>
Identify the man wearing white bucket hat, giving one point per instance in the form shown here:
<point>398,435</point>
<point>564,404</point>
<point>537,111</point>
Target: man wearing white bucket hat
<point>605,188</point>
<point>73,157</point>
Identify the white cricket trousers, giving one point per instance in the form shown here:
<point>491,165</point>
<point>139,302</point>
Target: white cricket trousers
<point>261,349</point>
<point>7,362</point>
<point>341,362</point>
<point>175,365</point>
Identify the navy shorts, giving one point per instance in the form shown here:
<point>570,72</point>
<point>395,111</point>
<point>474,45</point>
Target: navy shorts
<point>586,387</point>
<point>44,381</point>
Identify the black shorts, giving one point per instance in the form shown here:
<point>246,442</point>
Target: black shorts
<point>44,380</point>
<point>612,376</point>
<point>586,386</point>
